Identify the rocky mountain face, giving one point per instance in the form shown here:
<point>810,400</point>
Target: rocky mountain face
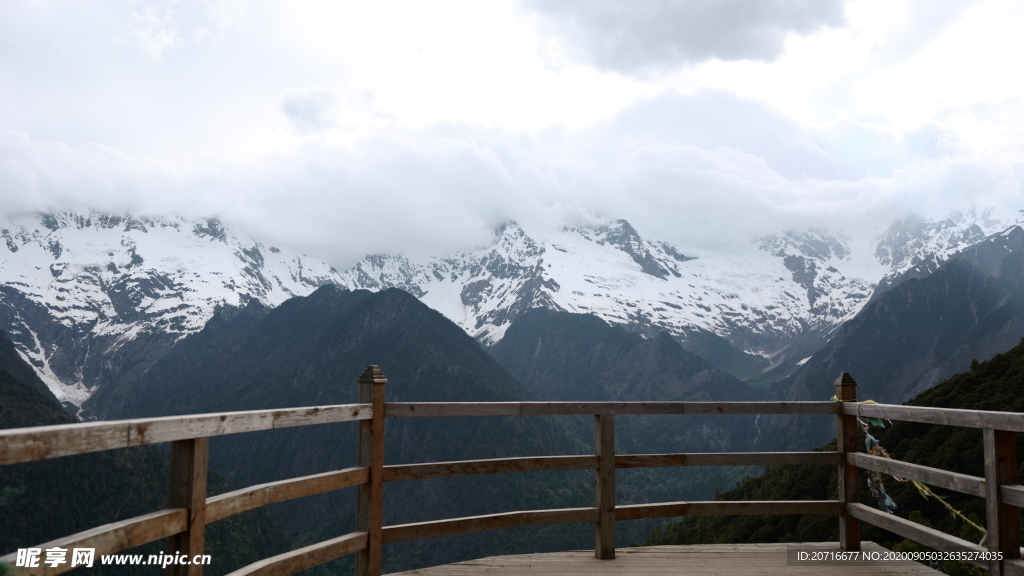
<point>914,247</point>
<point>915,335</point>
<point>92,299</point>
<point>774,301</point>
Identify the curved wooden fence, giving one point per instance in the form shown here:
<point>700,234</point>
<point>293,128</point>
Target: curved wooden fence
<point>189,510</point>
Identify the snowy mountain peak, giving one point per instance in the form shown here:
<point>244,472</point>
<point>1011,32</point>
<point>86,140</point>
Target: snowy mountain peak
<point>655,259</point>
<point>513,246</point>
<point>915,246</point>
<point>75,285</point>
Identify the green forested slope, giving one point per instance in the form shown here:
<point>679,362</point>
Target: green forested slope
<point>41,501</point>
<point>997,384</point>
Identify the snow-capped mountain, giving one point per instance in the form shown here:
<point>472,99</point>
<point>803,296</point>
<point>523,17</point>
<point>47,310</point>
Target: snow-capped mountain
<point>758,298</point>
<point>761,297</point>
<point>914,247</point>
<point>79,289</point>
<point>93,299</point>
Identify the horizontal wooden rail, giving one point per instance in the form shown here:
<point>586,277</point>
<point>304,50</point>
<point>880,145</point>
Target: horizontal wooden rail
<point>1010,421</point>
<point>916,532</point>
<point>400,472</point>
<point>659,510</point>
<point>432,529</point>
<point>933,476</point>
<point>230,503</point>
<point>726,459</point>
<point>1013,494</point>
<point>303,558</point>
<point>42,442</point>
<point>28,444</point>
<point>727,508</point>
<point>112,538</point>
<point>492,466</point>
<point>441,409</point>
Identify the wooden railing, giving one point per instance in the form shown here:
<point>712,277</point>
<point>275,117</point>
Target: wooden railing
<point>189,510</point>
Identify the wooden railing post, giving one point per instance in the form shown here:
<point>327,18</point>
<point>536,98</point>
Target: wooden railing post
<point>370,505</point>
<point>1003,519</point>
<point>846,442</point>
<point>604,486</point>
<point>187,489</point>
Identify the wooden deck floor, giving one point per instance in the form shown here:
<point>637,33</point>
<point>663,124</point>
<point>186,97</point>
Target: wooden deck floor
<point>700,560</point>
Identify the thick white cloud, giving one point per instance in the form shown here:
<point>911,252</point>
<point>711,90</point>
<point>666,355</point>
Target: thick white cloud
<point>340,129</point>
<point>654,35</point>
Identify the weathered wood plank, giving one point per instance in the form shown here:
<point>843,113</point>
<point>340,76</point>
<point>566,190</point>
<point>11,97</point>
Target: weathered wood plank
<point>303,558</point>
<point>757,507</point>
<point>230,503</point>
<point>42,442</point>
<point>763,459</point>
<point>419,530</point>
<point>660,510</point>
<point>726,459</point>
<point>395,473</point>
<point>933,476</point>
<point>187,489</point>
<point>1003,519</point>
<point>913,531</point>
<point>1011,421</point>
<point>731,508</point>
<point>846,444</point>
<point>1013,494</point>
<point>437,409</point>
<point>604,486</point>
<point>440,409</point>
<point>810,407</point>
<point>114,537</point>
<point>693,560</point>
<point>370,496</point>
<point>169,428</point>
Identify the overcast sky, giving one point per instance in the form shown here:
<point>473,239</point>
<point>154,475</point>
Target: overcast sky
<point>343,128</point>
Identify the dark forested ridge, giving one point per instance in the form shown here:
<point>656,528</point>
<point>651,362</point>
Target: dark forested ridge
<point>309,351</point>
<point>997,384</point>
<point>20,378</point>
<point>41,501</point>
<point>563,356</point>
<point>915,335</point>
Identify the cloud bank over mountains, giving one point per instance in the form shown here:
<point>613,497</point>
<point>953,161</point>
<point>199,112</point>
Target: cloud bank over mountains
<point>341,130</point>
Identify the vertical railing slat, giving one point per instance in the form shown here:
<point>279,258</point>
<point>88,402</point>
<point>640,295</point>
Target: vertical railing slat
<point>604,486</point>
<point>187,489</point>
<point>370,504</point>
<point>1003,520</point>
<point>846,442</point>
